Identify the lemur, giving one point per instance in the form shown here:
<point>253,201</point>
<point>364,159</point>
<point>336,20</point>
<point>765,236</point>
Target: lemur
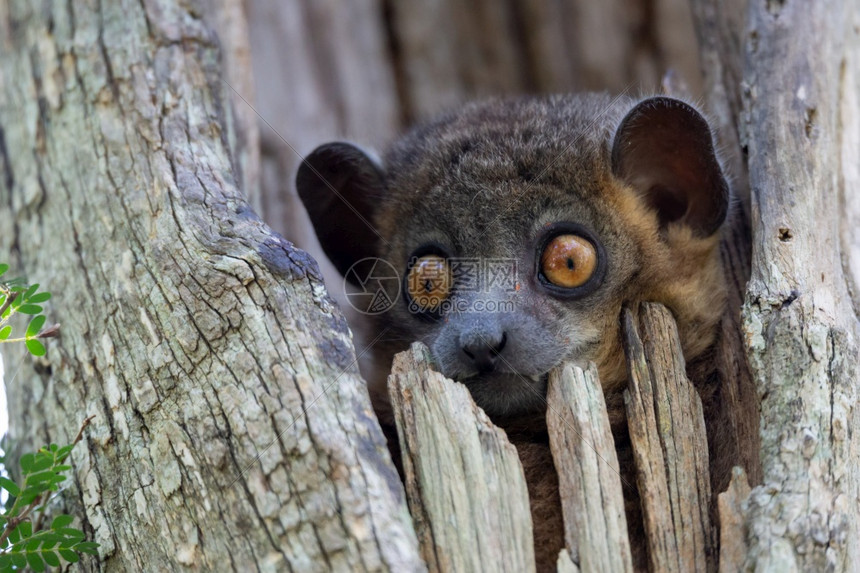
<point>591,202</point>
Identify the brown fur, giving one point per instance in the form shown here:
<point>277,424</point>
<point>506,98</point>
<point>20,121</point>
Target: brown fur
<point>485,181</point>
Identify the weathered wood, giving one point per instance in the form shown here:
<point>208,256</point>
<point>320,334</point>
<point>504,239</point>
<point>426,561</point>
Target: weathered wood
<point>667,431</point>
<point>228,407</point>
<point>583,450</point>
<point>565,563</point>
<point>732,414</point>
<point>464,482</point>
<point>802,332</point>
<point>733,546</point>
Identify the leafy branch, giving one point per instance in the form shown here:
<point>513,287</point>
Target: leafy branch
<point>18,297</point>
<point>23,542</point>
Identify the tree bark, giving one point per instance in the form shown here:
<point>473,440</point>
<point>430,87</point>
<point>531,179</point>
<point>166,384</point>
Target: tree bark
<point>801,329</point>
<point>232,428</point>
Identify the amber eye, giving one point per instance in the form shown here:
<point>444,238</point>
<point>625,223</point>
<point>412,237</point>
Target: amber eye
<point>568,261</point>
<point>429,282</point>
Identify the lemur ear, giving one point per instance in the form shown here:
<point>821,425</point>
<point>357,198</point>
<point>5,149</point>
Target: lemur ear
<point>663,148</point>
<point>339,185</point>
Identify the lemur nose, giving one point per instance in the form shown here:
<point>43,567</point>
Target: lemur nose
<point>483,350</point>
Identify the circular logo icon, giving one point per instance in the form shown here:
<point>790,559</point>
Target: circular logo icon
<point>378,284</point>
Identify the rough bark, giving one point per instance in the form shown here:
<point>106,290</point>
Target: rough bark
<point>667,430</point>
<point>465,485</point>
<point>595,526</point>
<point>801,329</point>
<point>229,410</point>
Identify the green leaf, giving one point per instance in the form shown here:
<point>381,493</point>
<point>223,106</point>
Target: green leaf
<point>69,555</point>
<point>35,326</point>
<point>31,492</point>
<point>10,486</point>
<point>18,560</point>
<point>39,298</point>
<point>42,462</point>
<point>64,451</point>
<point>30,291</point>
<point>90,547</point>
<point>15,535</point>
<point>26,528</point>
<point>40,477</point>
<point>35,347</point>
<point>35,562</point>
<point>5,561</point>
<point>62,520</point>
<point>62,468</point>
<point>32,545</point>
<point>26,462</point>
<point>71,533</point>
<point>51,558</point>
<point>5,332</point>
<point>3,268</point>
<point>30,308</point>
<point>26,498</point>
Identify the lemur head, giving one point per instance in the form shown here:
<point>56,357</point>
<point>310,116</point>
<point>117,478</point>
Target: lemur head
<point>521,227</point>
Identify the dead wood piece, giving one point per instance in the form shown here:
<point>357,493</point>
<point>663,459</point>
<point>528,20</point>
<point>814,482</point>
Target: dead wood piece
<point>464,482</point>
<point>589,480</point>
<point>667,431</point>
<point>565,563</point>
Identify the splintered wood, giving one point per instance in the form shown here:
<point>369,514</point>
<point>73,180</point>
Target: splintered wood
<point>466,489</point>
<point>595,527</point>
<point>464,482</point>
<point>667,430</point>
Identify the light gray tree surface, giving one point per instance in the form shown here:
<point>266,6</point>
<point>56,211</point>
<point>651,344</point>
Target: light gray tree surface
<point>799,320</point>
<point>231,428</point>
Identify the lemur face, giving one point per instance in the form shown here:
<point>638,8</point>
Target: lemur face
<point>520,228</point>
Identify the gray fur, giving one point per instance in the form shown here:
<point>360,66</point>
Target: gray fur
<point>484,182</point>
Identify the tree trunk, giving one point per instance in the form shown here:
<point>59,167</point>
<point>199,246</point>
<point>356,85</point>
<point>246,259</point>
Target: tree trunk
<point>232,428</point>
<point>801,328</point>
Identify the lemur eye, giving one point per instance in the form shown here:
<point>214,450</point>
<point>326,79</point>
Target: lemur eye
<point>568,261</point>
<point>429,282</point>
